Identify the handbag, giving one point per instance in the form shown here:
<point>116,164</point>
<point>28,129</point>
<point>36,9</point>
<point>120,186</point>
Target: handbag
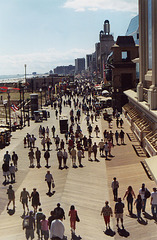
<point>53,184</point>
<point>77,218</point>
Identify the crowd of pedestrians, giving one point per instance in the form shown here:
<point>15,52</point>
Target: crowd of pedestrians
<point>70,152</point>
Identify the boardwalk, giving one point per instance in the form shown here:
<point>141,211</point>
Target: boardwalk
<point>87,188</point>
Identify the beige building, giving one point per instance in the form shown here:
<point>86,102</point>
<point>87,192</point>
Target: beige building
<point>142,108</point>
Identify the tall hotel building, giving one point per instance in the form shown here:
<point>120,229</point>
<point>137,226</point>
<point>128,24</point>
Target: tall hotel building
<point>141,111</point>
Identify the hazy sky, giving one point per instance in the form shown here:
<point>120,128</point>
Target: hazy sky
<point>47,33</point>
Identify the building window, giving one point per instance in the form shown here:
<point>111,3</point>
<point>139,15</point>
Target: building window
<point>150,34</point>
<point>125,55</point>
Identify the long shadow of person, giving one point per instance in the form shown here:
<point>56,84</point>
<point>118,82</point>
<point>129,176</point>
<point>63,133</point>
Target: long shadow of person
<point>110,232</point>
<point>11,211</point>
<point>123,232</point>
<point>148,216</point>
<point>142,221</point>
<point>75,237</point>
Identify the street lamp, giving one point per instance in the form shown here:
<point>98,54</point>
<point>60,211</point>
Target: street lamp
<point>40,90</point>
<point>8,92</point>
<point>25,72</point>
<point>5,106</point>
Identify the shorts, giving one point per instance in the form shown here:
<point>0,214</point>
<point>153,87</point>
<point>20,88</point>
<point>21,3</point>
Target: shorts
<point>107,219</point>
<point>6,173</point>
<point>45,233</point>
<point>24,201</point>
<point>29,233</point>
<point>119,215</point>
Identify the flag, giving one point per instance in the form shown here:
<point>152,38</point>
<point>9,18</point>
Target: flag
<point>14,107</point>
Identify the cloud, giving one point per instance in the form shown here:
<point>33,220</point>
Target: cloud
<point>40,62</point>
<point>115,5</point>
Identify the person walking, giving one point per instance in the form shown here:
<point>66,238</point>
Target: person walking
<point>43,142</point>
<point>38,217</point>
<point>115,186</point>
<point>38,156</point>
<point>57,229</point>
<point>60,157</point>
<point>121,135</point>
<point>119,206</point>
<point>117,136</point>
<point>65,157</point>
<point>31,158</point>
<point>142,192</point>
<point>35,199</point>
<point>153,203</point>
<point>79,155</point>
<point>138,203</point>
<point>47,156</point>
<point>59,212</point>
<point>44,227</point>
<point>73,156</point>
<point>121,122</point>
<point>107,212</point>
<point>57,141</point>
<point>7,158</point>
<point>89,153</point>
<point>97,130</point>
<point>15,159</point>
<point>94,148</point>
<point>12,173</point>
<point>24,196</point>
<point>48,142</point>
<point>29,226</point>
<point>53,131</point>
<point>130,195</point>
<point>73,218</point>
<point>6,172</point>
<point>50,181</point>
<point>101,147</point>
<point>11,197</point>
<point>106,148</point>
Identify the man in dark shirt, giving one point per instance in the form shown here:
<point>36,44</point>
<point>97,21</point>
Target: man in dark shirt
<point>59,212</point>
<point>119,212</point>
<point>29,225</point>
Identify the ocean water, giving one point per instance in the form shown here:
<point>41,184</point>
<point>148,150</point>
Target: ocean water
<point>11,78</point>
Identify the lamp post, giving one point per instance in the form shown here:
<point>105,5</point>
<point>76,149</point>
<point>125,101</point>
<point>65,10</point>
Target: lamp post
<point>8,92</point>
<point>25,72</point>
<point>40,90</point>
<point>6,115</point>
<point>23,105</point>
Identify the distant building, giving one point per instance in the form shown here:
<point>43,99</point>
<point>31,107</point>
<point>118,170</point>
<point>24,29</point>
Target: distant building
<point>88,60</point>
<point>79,65</point>
<point>103,48</point>
<point>65,70</point>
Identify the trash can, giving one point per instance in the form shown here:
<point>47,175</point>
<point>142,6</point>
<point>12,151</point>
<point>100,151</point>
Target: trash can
<point>63,123</point>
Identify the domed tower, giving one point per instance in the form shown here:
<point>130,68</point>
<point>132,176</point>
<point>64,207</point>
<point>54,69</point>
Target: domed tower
<point>107,27</point>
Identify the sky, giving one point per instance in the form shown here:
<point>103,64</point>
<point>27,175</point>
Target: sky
<point>44,34</point>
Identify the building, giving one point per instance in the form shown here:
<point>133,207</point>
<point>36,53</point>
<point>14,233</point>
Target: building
<point>123,69</point>
<point>88,60</point>
<point>65,70</point>
<point>133,29</point>
<point>103,48</point>
<point>79,65</point>
<point>141,110</point>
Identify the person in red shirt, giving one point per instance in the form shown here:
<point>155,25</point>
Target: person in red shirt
<point>73,218</point>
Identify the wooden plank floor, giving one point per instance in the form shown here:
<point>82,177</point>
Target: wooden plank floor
<point>87,188</point>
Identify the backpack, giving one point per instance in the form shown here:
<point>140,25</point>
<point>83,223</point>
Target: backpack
<point>26,223</point>
<point>147,194</point>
